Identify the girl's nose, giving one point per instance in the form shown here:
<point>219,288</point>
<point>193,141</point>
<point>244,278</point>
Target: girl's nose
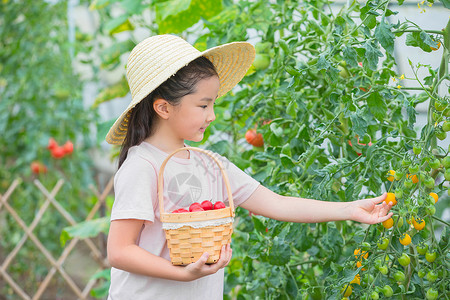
<point>211,116</point>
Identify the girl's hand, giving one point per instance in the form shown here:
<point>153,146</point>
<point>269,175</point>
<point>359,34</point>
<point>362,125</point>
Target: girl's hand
<point>371,210</point>
<point>200,268</point>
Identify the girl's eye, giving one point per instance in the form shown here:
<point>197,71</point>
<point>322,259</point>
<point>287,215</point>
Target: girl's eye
<point>204,106</point>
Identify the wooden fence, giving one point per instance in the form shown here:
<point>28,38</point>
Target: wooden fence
<point>56,263</point>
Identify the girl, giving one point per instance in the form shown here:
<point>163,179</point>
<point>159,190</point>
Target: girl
<point>174,88</point>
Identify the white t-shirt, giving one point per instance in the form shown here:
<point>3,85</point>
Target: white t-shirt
<point>185,181</point>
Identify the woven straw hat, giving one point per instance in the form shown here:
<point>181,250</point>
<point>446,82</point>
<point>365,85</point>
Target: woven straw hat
<point>157,58</point>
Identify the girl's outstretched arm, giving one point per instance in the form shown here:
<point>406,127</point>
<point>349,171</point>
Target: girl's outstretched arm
<point>125,254</point>
<point>292,209</point>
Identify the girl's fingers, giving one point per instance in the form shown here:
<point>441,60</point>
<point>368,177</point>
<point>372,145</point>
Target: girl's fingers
<point>379,199</point>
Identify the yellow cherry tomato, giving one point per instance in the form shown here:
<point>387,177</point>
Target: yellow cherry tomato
<point>435,196</point>
<point>388,223</point>
<point>418,223</point>
<point>390,175</point>
<point>405,240</point>
<point>390,198</point>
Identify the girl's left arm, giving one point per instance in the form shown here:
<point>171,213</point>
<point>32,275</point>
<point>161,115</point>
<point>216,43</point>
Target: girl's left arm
<point>300,210</point>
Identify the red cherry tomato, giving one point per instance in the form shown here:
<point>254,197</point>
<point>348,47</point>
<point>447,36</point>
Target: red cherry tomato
<point>207,205</point>
<point>58,152</point>
<point>68,147</point>
<point>195,207</point>
<point>219,205</point>
<point>52,144</point>
<point>254,138</point>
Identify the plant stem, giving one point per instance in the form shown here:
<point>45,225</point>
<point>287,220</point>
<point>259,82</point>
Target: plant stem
<point>417,30</point>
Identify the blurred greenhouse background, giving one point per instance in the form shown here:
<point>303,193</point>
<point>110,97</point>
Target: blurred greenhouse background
<point>62,68</point>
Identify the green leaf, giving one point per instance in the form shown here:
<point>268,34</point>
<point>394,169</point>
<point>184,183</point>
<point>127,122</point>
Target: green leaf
<point>280,252</point>
<point>111,55</point>
<point>118,24</point>
<point>421,40</point>
<point>322,63</point>
<point>446,3</point>
<point>119,89</point>
<point>133,7</point>
<point>350,56</point>
<point>277,130</point>
<point>174,16</point>
<point>372,54</point>
<point>377,106</point>
<point>367,17</point>
<point>85,229</point>
<point>359,123</point>
<point>385,36</point>
<point>292,108</point>
<point>171,8</point>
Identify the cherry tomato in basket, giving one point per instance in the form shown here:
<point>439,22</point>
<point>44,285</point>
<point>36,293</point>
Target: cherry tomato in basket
<point>219,205</point>
<point>180,210</point>
<point>195,207</point>
<point>207,205</point>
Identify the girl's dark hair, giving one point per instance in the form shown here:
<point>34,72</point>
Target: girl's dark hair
<point>143,116</point>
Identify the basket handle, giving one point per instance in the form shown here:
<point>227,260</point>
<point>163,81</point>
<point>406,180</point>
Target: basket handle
<point>222,170</point>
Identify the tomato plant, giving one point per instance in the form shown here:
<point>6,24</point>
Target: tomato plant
<point>339,131</point>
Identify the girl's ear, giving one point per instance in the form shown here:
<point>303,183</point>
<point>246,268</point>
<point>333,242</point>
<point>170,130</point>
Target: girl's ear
<point>161,107</point>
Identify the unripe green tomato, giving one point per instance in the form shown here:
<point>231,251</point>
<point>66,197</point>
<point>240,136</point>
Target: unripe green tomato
<point>383,243</point>
<point>446,126</point>
<point>261,62</point>
<point>400,222</point>
<point>408,183</point>
<point>420,201</point>
<point>446,161</point>
<point>365,246</point>
<point>430,256</point>
<point>398,192</point>
<point>435,163</point>
<point>369,278</point>
<point>429,182</point>
<point>422,248</point>
<point>447,112</point>
<point>399,276</point>
<point>431,210</point>
<point>439,105</point>
<point>413,168</point>
<point>432,276</point>
<point>440,134</point>
<point>343,72</point>
<point>398,175</point>
<point>417,150</point>
<point>422,175</point>
<point>447,174</point>
<point>432,294</point>
<point>406,162</point>
<point>436,116</point>
<point>383,269</point>
<point>421,273</point>
<point>374,295</point>
<point>404,260</point>
<point>387,291</point>
<point>263,47</point>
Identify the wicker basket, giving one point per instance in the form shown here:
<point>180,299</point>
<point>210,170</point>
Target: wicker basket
<point>188,242</point>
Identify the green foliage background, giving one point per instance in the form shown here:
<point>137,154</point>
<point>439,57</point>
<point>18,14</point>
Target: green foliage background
<point>40,97</point>
<point>325,96</point>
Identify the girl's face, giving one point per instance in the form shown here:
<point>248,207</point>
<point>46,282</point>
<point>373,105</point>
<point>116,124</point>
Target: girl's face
<point>195,111</point>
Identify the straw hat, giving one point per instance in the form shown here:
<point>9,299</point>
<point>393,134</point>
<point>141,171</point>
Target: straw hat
<point>157,58</point>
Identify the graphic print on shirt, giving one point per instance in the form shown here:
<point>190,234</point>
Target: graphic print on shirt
<point>184,189</point>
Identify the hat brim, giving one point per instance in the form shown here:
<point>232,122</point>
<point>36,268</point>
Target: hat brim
<point>231,61</point>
